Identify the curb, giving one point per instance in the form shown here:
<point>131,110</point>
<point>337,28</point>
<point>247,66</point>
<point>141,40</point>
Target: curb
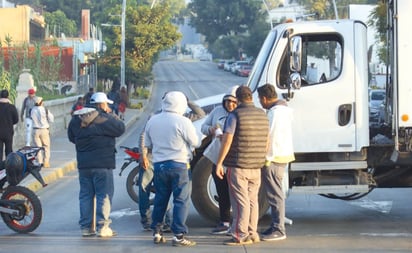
<point>57,173</point>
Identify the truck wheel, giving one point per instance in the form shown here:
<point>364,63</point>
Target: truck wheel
<point>204,193</point>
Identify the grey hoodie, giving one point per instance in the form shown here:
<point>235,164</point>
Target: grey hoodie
<point>169,134</point>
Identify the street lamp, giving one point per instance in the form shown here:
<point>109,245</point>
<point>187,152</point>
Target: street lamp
<point>122,46</point>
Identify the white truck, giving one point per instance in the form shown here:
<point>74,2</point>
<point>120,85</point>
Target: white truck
<point>321,68</point>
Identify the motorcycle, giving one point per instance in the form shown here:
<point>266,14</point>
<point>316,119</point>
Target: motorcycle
<point>20,208</point>
<point>132,181</point>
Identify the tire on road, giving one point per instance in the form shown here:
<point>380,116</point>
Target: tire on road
<point>204,192</point>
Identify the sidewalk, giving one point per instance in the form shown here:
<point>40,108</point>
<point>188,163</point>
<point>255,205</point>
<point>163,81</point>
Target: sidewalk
<point>63,155</point>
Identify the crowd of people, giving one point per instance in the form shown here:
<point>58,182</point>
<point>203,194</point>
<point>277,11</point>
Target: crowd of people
<point>249,149</point>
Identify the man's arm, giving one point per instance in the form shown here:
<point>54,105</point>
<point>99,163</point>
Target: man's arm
<point>224,149</point>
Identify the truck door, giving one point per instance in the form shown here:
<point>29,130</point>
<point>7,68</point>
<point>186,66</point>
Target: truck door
<point>324,107</point>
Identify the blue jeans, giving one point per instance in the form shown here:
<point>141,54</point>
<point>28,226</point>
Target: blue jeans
<point>171,177</point>
<point>99,183</point>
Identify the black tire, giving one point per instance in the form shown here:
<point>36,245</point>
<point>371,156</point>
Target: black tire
<point>132,186</point>
<point>204,192</point>
<point>30,210</point>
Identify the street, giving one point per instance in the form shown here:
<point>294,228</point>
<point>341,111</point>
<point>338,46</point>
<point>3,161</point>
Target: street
<point>379,222</point>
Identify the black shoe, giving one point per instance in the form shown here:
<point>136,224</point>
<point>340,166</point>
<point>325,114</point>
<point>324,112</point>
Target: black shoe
<point>268,231</point>
<point>274,236</point>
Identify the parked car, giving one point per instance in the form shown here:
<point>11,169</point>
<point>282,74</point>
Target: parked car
<point>228,64</point>
<point>236,65</point>
<point>244,70</point>
<point>220,64</point>
<point>376,100</point>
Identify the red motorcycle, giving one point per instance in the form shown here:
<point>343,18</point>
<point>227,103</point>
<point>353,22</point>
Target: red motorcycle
<point>132,186</point>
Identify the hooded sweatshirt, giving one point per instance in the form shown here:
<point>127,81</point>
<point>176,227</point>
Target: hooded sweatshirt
<point>169,134</point>
<point>280,148</point>
<point>219,113</point>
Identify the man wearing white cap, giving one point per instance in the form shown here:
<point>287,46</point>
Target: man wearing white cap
<point>94,132</point>
<point>41,118</point>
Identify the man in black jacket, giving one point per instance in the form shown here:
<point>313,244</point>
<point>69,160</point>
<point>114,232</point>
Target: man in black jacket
<point>9,117</point>
<point>93,131</point>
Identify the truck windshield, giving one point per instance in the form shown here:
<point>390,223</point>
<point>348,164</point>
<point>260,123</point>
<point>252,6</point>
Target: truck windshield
<point>261,60</point>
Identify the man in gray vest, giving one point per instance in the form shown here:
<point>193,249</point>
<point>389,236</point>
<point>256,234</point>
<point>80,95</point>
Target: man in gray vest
<point>243,153</point>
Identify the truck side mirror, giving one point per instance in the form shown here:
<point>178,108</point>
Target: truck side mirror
<point>295,54</point>
<point>295,81</point>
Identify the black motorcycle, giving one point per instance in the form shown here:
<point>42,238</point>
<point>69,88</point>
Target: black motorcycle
<point>20,208</point>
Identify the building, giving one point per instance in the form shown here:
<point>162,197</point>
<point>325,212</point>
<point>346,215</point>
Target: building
<point>28,26</point>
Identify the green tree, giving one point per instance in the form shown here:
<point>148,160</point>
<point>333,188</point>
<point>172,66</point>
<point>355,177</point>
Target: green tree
<point>214,18</point>
<point>378,19</point>
<point>148,31</point>
<point>58,23</point>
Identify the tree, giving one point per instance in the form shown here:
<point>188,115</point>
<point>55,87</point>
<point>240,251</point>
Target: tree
<point>58,23</point>
<point>231,26</point>
<point>148,31</point>
<point>379,20</point>
<point>214,18</point>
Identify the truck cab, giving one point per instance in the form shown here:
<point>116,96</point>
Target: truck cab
<point>321,69</point>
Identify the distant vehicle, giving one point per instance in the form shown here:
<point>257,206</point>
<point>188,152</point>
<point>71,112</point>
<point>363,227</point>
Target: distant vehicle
<point>228,64</point>
<point>236,65</point>
<point>244,70</point>
<point>221,64</point>
<point>376,100</point>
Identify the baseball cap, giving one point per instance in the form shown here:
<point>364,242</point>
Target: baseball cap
<point>38,100</point>
<point>100,97</point>
<point>31,91</point>
<point>84,110</point>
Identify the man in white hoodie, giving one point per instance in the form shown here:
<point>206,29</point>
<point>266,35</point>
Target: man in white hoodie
<point>279,154</point>
<point>171,137</point>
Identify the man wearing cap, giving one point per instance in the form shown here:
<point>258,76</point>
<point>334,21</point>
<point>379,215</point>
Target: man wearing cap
<point>94,132</point>
<point>243,152</point>
<point>41,118</point>
<point>28,104</point>
<point>211,126</point>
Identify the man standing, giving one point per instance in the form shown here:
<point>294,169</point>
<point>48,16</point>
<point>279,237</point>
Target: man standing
<point>211,126</point>
<point>94,133</point>
<point>171,136</point>
<point>88,96</point>
<point>41,118</point>
<point>9,117</point>
<point>279,154</point>
<point>28,104</point>
<point>243,154</point>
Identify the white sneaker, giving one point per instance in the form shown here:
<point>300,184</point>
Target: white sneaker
<point>106,232</point>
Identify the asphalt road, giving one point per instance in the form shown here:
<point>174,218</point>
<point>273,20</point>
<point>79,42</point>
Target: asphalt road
<point>379,222</point>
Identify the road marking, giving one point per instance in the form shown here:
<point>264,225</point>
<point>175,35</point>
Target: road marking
<point>380,206</point>
<point>123,212</point>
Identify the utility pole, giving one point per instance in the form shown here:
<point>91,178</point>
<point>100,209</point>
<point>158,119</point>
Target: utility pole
<point>122,49</point>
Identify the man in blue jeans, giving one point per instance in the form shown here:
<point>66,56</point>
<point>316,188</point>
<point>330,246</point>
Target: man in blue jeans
<point>171,136</point>
<point>94,132</point>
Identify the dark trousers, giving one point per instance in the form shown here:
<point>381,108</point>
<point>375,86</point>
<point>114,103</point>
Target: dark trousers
<point>222,189</point>
<point>8,146</point>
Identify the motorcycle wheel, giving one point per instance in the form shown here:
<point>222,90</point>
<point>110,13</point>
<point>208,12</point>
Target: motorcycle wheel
<point>204,194</point>
<point>30,211</point>
<point>132,186</point>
